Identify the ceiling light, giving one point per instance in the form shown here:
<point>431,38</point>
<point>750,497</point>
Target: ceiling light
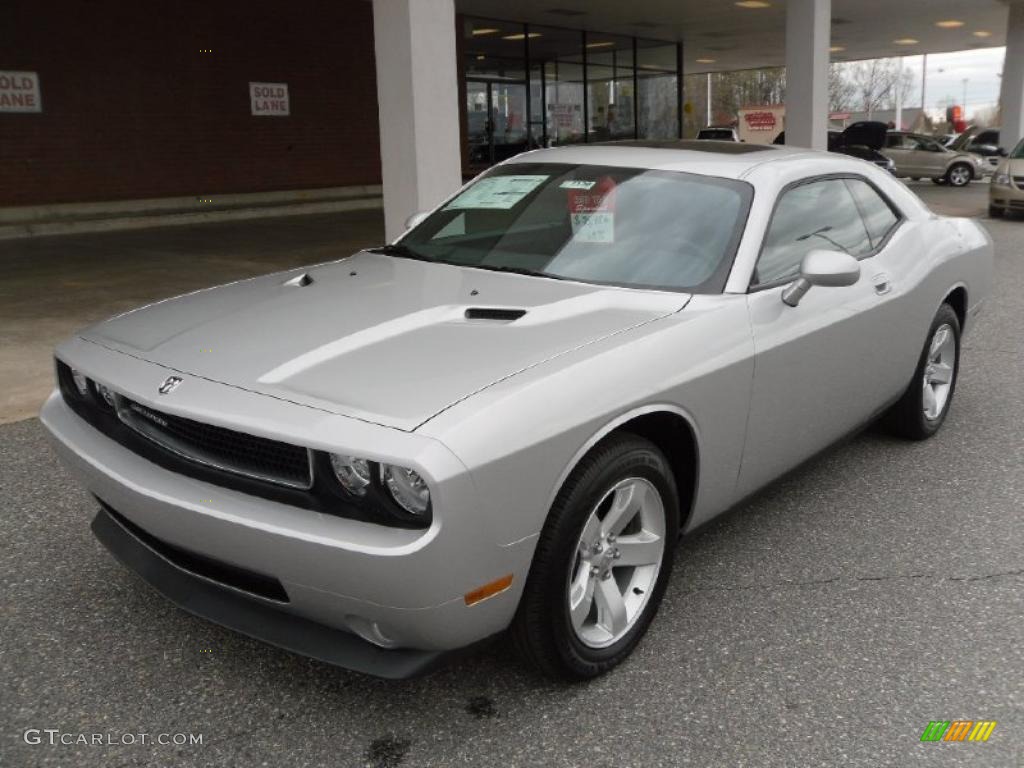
<point>906,41</point>
<point>753,4</point>
<point>949,24</point>
<point>479,32</point>
<point>604,44</point>
<point>705,61</point>
<point>481,57</point>
<point>837,48</point>
<point>520,36</point>
<point>981,33</point>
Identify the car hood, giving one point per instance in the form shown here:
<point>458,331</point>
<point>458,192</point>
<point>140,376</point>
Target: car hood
<point>865,133</point>
<point>388,340</point>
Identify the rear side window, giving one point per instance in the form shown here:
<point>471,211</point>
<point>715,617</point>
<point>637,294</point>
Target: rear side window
<point>817,215</point>
<point>879,217</point>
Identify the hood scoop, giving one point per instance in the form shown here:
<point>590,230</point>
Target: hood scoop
<point>299,281</point>
<point>499,314</point>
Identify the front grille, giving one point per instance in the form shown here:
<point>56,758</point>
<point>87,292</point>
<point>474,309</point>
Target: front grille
<point>220,448</point>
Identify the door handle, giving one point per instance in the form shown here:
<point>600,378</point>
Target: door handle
<point>882,283</point>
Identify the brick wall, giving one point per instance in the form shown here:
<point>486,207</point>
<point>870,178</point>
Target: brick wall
<point>132,108</point>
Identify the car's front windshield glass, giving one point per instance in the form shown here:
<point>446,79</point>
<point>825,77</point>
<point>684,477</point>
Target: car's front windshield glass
<point>1018,152</point>
<point>621,226</point>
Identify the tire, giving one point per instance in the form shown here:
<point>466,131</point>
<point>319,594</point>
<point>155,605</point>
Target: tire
<point>915,178</point>
<point>941,181</point>
<point>543,630</point>
<point>911,417</point>
<point>995,212</point>
<point>959,175</point>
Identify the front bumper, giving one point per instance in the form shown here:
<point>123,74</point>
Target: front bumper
<point>233,609</point>
<point>1006,196</point>
<point>395,587</point>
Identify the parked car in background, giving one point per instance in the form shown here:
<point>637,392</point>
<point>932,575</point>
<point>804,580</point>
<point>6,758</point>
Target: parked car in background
<point>1006,192</point>
<point>504,419</point>
<point>983,142</point>
<point>861,140</point>
<point>718,133</point>
<point>923,157</point>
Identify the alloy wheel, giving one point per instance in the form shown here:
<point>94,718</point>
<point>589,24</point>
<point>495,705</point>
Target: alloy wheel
<point>618,558</point>
<point>959,176</point>
<point>938,371</point>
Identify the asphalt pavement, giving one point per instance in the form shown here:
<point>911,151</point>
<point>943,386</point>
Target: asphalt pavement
<point>823,623</point>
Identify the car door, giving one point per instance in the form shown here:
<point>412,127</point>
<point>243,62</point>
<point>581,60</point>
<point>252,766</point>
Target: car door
<point>900,149</point>
<point>827,365</point>
<point>929,157</point>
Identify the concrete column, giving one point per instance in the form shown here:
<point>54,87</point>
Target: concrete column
<point>808,32</point>
<point>1012,96</point>
<point>417,102</point>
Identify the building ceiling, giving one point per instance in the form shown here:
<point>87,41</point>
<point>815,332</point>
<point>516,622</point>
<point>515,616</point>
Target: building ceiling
<point>719,35</point>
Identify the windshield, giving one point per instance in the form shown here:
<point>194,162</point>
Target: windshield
<point>1018,152</point>
<point>621,226</point>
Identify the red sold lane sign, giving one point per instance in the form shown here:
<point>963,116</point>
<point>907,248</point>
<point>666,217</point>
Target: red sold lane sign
<point>269,99</point>
<point>760,121</point>
<point>19,92</point>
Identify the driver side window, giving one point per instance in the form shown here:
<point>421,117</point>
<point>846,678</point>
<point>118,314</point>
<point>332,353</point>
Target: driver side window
<point>816,215</point>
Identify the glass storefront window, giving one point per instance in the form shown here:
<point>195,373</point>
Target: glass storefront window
<point>658,90</point>
<point>610,102</point>
<point>530,86</point>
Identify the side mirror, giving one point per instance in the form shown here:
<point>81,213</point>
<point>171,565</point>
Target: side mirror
<point>829,269</point>
<point>416,218</point>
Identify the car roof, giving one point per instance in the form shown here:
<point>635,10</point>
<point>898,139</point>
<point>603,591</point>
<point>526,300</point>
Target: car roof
<point>729,159</point>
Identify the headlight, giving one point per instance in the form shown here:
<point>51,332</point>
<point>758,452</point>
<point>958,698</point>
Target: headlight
<point>1003,179</point>
<point>407,488</point>
<point>81,383</point>
<point>106,394</point>
<point>353,473</point>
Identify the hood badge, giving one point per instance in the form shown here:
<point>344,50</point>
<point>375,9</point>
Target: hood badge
<point>170,384</point>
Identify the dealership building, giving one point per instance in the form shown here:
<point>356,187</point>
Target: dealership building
<point>118,106</point>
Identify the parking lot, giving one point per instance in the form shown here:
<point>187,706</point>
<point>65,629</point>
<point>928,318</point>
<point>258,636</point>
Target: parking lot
<point>825,622</point>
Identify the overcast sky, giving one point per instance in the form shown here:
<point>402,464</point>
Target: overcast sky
<point>946,73</point>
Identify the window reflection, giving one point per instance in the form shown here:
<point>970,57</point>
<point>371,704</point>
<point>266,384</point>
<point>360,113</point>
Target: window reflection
<point>530,86</point>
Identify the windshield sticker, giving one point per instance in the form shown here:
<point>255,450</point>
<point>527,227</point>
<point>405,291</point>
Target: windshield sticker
<point>496,192</point>
<point>592,213</point>
<point>577,184</point>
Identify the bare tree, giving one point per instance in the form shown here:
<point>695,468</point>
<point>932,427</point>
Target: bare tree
<point>876,82</point>
<point>841,91</point>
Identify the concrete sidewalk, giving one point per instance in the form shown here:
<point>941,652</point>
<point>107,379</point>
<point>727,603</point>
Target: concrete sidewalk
<point>52,286</point>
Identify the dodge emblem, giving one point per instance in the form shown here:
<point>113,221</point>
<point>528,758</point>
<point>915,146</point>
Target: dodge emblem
<point>170,384</point>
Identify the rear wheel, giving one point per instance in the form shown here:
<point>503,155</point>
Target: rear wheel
<point>602,562</point>
<point>995,212</point>
<point>959,175</point>
<point>915,178</point>
<point>921,411</point>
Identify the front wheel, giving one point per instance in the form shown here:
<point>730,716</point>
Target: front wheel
<point>959,175</point>
<point>602,562</point>
<point>921,411</point>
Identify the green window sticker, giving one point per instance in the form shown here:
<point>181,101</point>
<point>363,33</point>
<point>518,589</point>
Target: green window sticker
<point>496,192</point>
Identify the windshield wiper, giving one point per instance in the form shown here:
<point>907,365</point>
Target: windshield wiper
<point>399,250</point>
<point>513,270</point>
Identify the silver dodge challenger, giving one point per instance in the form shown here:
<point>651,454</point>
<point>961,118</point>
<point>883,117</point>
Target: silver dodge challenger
<point>504,420</point>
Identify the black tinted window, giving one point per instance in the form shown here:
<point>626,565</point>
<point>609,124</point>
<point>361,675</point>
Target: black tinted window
<point>878,216</point>
<point>818,215</point>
